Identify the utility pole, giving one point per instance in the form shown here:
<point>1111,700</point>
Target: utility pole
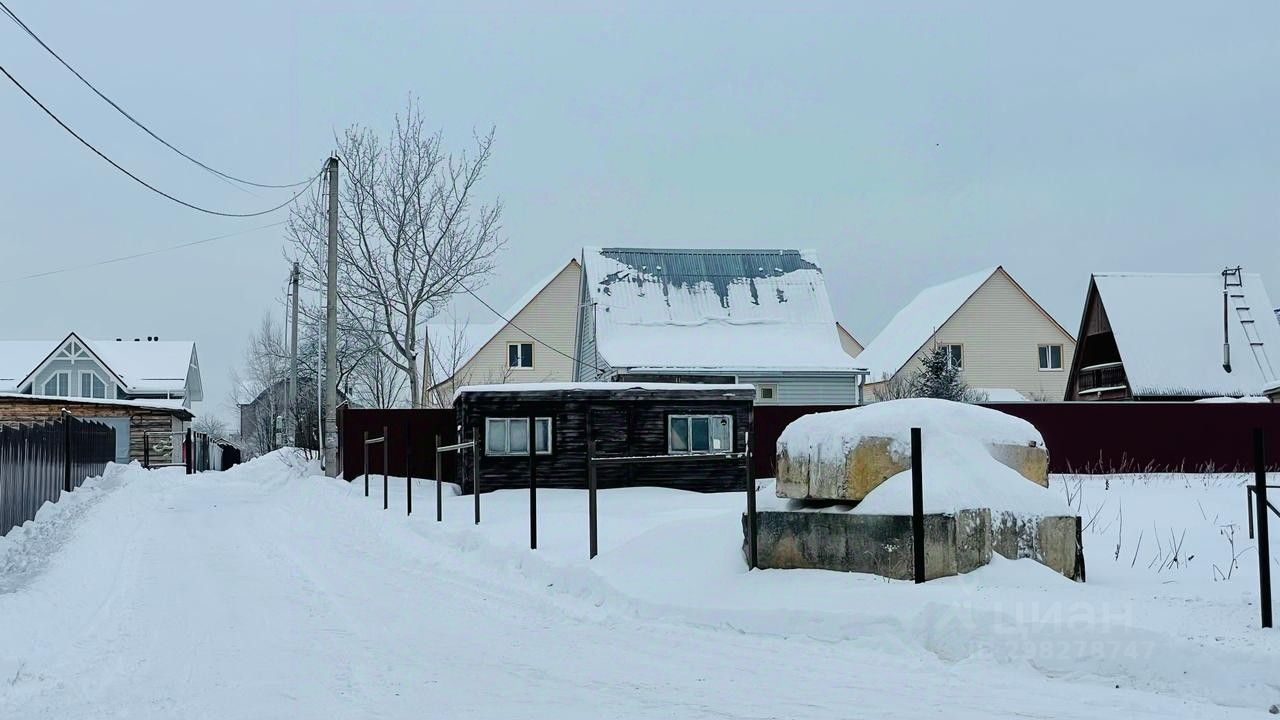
<point>331,329</point>
<point>294,413</point>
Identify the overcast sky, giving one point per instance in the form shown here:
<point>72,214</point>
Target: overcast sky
<point>907,146</point>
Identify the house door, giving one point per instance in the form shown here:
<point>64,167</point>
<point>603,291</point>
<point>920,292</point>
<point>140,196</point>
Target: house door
<point>121,426</point>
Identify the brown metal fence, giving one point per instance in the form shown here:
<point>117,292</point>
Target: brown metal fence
<point>411,438</point>
<point>39,462</point>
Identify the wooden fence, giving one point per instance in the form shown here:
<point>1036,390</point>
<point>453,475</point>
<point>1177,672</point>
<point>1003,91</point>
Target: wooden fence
<point>39,462</point>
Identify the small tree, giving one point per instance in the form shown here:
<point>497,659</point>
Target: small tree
<point>213,426</point>
<point>938,377</point>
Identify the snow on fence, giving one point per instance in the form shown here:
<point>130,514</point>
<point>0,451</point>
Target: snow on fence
<point>39,462</point>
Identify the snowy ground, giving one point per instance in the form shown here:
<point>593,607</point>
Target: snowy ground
<point>265,593</point>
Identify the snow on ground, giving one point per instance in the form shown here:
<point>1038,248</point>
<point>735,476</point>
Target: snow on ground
<point>267,592</point>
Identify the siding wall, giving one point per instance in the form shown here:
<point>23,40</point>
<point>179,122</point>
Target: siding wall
<point>848,343</point>
<point>65,365</point>
<point>552,317</point>
<point>808,388</point>
<point>1001,329</point>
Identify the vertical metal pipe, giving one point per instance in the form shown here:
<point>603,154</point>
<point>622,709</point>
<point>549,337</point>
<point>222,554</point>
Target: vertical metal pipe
<point>386,442</point>
<point>366,463</point>
<point>66,451</point>
<point>752,535</point>
<point>533,484</point>
<point>591,488</point>
<point>146,450</point>
<point>917,506</point>
<point>439,482</point>
<point>408,470</point>
<point>1264,539</point>
<point>475,468</point>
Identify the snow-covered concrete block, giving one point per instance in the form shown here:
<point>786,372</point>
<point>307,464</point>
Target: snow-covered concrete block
<point>846,454</point>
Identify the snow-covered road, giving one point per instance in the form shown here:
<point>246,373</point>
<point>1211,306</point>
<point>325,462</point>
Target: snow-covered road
<point>260,593</point>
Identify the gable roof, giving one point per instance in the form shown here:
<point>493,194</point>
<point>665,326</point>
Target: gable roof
<point>474,336</point>
<point>915,323</point>
<point>1168,329</point>
<point>712,309</point>
<point>141,367</point>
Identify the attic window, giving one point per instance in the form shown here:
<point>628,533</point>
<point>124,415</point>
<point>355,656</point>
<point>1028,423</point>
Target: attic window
<point>58,384</point>
<point>1050,357</point>
<point>955,356</point>
<point>520,355</point>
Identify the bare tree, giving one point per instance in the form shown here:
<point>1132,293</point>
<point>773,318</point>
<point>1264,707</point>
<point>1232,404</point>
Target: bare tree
<point>213,426</point>
<point>411,236</point>
<point>265,365</point>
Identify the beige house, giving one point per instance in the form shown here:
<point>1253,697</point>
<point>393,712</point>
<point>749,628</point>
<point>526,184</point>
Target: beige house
<point>506,351</point>
<point>848,342</point>
<point>1003,340</point>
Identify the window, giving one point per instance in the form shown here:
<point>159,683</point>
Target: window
<point>699,434</point>
<point>510,436</point>
<point>58,384</point>
<point>92,386</point>
<point>955,356</point>
<point>1050,357</point>
<point>767,393</point>
<point>520,355</point>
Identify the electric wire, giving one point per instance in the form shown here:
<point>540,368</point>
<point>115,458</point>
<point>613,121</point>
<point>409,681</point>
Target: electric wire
<point>139,180</point>
<point>13,16</point>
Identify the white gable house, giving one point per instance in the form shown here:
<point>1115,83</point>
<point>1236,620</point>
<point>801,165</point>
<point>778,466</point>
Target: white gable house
<point>727,316</point>
<point>102,369</point>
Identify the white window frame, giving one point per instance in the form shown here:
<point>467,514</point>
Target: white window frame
<point>505,423</point>
<point>689,418</point>
<point>761,387</point>
<point>948,346</point>
<point>1049,357</point>
<point>92,374</point>
<point>519,355</point>
<point>54,376</point>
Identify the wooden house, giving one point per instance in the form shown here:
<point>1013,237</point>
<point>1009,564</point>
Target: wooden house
<point>625,419</point>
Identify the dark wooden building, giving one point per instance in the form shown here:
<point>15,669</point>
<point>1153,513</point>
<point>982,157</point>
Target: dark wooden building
<point>626,419</point>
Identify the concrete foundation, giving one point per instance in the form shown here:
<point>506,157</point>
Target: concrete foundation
<point>876,459</point>
<point>882,544</point>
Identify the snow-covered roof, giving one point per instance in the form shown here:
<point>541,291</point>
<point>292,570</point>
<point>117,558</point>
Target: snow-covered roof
<point>602,386</point>
<point>1168,328</point>
<point>914,324</point>
<point>155,366</point>
<point>712,309</point>
<point>175,406</point>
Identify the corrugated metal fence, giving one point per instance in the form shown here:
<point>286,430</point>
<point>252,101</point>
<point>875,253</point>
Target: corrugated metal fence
<point>39,462</point>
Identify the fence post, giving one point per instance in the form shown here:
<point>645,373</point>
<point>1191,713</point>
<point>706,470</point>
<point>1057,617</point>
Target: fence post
<point>752,537</point>
<point>591,488</point>
<point>66,450</point>
<point>366,463</point>
<point>917,506</point>
<point>475,468</point>
<point>533,485</point>
<point>385,455</point>
<point>189,449</point>
<point>408,470</point>
<point>1264,540</point>
<point>146,450</point>
<point>439,492</point>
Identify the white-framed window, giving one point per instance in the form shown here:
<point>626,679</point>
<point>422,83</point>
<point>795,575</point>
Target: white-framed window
<point>955,356</point>
<point>510,436</point>
<point>92,386</point>
<point>1050,357</point>
<point>520,355</point>
<point>687,434</point>
<point>58,384</point>
<point>767,392</point>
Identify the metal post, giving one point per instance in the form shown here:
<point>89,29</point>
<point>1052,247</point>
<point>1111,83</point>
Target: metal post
<point>439,492</point>
<point>66,450</point>
<point>917,506</point>
<point>190,449</point>
<point>533,486</point>
<point>591,488</point>
<point>1264,539</point>
<point>146,450</point>
<point>331,329</point>
<point>752,536</point>
<point>384,466</point>
<point>475,469</point>
<point>366,463</point>
<point>408,471</point>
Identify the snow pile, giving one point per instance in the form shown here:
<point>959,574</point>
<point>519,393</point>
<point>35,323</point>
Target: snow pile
<point>959,471</point>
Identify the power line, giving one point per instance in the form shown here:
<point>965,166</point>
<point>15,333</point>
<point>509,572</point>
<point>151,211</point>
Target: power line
<point>139,180</point>
<point>144,253</point>
<point>132,119</point>
<point>533,337</point>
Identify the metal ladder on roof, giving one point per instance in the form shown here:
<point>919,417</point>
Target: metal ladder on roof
<point>1233,298</point>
